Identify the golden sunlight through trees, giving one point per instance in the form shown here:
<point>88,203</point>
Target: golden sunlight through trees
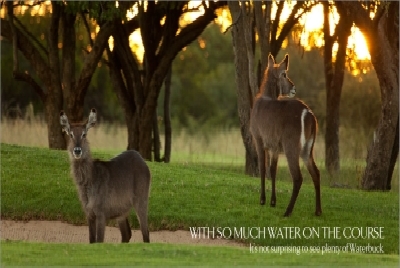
<point>309,33</point>
<point>312,35</point>
<point>359,44</point>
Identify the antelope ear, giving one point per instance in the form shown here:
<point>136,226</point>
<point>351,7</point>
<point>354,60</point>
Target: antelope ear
<point>92,119</point>
<point>284,65</point>
<point>64,122</point>
<point>271,60</point>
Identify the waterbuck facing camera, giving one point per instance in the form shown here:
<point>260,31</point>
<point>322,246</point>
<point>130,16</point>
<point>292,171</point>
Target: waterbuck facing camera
<point>288,124</point>
<point>107,189</point>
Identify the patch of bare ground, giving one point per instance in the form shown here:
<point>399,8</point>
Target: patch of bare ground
<point>59,232</point>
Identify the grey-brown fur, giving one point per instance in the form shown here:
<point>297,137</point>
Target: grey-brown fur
<point>278,123</point>
<point>107,189</point>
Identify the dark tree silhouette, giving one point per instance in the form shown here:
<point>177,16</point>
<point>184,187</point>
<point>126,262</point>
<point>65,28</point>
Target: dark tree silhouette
<point>334,75</point>
<point>138,85</point>
<point>55,67</point>
<point>382,37</point>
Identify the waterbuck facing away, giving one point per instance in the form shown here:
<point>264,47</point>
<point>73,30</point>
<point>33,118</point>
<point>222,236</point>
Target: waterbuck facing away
<point>107,189</point>
<point>287,124</point>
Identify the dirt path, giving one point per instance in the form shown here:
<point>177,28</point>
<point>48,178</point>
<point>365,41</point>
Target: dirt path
<point>59,232</point>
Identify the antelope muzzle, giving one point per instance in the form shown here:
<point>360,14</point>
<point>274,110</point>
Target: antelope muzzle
<point>77,152</point>
<point>292,92</point>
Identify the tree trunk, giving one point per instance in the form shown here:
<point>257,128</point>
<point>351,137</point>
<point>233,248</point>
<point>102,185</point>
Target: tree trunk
<point>120,86</point>
<point>162,42</point>
<point>47,69</point>
<point>156,139</point>
<point>247,16</point>
<point>263,27</point>
<point>334,75</point>
<point>385,58</point>
<point>75,91</point>
<point>54,100</point>
<point>53,106</point>
<point>167,117</point>
<point>145,135</point>
<point>68,67</point>
<point>384,50</point>
<point>393,158</point>
<point>382,154</point>
<point>134,94</point>
<point>244,93</point>
<point>124,73</point>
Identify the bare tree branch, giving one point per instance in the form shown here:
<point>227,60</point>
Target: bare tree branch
<point>30,35</point>
<point>10,12</point>
<point>54,60</point>
<point>362,20</point>
<point>170,27</point>
<point>275,23</point>
<point>30,52</point>
<point>86,24</point>
<point>263,26</point>
<point>186,35</point>
<point>68,54</point>
<point>234,23</point>
<point>92,59</point>
<point>248,19</point>
<point>380,12</point>
<point>20,76</point>
<point>116,76</point>
<point>129,66</point>
<point>132,25</point>
<point>26,77</point>
<point>290,22</point>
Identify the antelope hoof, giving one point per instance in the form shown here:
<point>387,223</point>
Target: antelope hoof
<point>318,213</point>
<point>262,201</point>
<point>272,204</point>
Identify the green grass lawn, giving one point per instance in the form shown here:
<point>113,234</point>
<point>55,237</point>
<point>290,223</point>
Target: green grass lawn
<point>39,254</point>
<point>35,184</point>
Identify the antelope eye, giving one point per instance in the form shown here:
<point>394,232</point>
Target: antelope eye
<point>83,135</point>
<point>284,75</point>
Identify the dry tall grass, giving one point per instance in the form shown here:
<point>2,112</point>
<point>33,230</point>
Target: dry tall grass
<point>216,146</point>
<point>220,146</point>
<point>34,133</point>
<point>109,136</point>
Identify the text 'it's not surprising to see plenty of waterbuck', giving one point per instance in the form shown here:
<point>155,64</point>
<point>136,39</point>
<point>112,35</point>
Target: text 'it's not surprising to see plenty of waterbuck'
<point>107,189</point>
<point>277,124</point>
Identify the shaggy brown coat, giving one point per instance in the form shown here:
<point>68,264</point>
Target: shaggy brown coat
<point>107,189</point>
<point>288,124</point>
